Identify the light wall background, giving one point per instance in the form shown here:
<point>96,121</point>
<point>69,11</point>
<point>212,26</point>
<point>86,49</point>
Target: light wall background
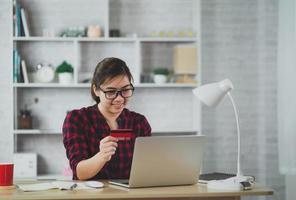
<point>239,42</point>
<point>6,138</point>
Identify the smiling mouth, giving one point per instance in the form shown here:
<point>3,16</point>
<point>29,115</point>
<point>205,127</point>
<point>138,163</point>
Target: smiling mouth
<point>118,105</point>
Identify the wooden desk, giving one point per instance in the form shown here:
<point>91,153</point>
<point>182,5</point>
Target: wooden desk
<point>115,192</point>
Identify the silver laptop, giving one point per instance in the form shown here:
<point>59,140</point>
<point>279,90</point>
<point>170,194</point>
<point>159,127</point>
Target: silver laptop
<point>165,161</point>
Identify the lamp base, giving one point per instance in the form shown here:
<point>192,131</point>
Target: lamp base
<point>236,183</point>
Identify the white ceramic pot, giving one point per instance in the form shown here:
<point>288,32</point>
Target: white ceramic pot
<point>160,78</point>
<point>65,77</point>
<point>44,73</point>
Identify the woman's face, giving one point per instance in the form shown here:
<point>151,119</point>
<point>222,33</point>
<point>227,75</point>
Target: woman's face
<point>111,94</point>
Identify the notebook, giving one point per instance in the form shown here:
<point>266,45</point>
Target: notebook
<point>205,178</point>
<point>165,161</point>
<point>62,185</point>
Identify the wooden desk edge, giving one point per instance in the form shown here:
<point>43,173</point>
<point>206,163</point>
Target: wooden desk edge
<point>109,192</point>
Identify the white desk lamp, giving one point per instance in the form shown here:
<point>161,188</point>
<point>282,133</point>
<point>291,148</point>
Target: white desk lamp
<point>211,94</point>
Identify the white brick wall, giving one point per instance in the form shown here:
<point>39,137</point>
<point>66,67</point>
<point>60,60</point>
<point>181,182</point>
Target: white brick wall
<point>6,137</point>
<point>42,14</point>
<point>146,16</point>
<point>239,42</point>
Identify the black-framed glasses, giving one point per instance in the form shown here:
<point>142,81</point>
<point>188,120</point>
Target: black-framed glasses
<point>125,92</point>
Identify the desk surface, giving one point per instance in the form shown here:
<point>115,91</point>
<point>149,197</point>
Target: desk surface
<point>197,191</point>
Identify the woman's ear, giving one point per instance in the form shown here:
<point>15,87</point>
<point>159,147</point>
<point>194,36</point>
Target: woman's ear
<point>96,92</point>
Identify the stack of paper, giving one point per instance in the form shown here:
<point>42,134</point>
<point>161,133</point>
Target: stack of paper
<point>62,185</point>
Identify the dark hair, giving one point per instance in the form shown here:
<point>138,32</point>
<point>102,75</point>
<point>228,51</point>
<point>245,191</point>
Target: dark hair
<point>108,69</point>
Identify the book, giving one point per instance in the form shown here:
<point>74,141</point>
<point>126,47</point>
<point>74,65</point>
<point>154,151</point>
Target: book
<point>24,72</point>
<point>18,20</point>
<point>205,178</point>
<point>25,22</point>
<point>36,187</point>
<point>14,19</point>
<point>16,67</point>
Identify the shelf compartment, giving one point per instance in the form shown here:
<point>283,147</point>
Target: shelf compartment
<point>53,53</point>
<point>158,54</point>
<point>48,147</point>
<point>49,110</point>
<point>92,53</point>
<point>153,17</point>
<point>45,16</point>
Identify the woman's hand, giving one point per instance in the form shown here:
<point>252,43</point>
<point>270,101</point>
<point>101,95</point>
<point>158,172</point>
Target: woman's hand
<point>90,167</point>
<point>108,146</point>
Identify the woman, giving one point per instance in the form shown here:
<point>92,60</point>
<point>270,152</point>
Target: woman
<point>92,152</point>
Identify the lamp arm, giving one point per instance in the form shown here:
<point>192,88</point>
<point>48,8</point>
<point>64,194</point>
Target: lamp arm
<point>238,135</point>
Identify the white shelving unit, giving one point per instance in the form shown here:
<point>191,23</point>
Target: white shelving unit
<point>170,108</point>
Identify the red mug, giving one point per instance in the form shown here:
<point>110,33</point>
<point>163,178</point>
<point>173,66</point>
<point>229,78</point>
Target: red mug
<point>6,174</point>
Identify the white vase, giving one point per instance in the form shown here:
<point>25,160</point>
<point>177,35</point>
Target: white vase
<point>160,78</point>
<point>65,77</point>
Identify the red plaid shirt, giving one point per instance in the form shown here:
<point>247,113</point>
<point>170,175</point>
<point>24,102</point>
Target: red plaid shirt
<point>82,131</point>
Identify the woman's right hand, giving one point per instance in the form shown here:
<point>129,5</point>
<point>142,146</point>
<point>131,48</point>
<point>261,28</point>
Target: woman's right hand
<point>108,146</point>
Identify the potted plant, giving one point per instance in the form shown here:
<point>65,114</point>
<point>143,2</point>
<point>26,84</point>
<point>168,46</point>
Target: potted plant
<point>65,73</point>
<point>160,75</point>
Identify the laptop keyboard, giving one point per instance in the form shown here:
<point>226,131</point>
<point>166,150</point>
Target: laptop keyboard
<point>125,182</point>
<point>122,181</point>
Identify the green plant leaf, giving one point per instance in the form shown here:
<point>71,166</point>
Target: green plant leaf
<point>64,67</point>
<point>161,70</point>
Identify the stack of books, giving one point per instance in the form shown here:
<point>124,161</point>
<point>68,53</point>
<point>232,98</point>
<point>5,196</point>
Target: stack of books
<point>20,20</point>
<point>205,178</point>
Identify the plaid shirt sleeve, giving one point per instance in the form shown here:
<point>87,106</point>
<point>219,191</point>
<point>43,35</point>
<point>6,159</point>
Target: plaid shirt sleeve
<point>74,139</point>
<point>143,127</point>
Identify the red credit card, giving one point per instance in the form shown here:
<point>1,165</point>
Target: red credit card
<point>122,134</point>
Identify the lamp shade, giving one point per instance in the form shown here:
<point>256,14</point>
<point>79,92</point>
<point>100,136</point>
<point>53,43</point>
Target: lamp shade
<point>211,94</point>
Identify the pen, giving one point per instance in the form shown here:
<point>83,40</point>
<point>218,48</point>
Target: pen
<point>73,186</point>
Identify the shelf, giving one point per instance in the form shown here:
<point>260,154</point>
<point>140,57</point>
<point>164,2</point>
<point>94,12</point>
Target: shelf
<point>104,39</point>
<point>166,85</point>
<point>36,131</point>
<point>113,39</point>
<point>58,132</point>
<point>168,39</point>
<point>72,39</point>
<point>43,39</point>
<point>50,85</point>
<point>87,85</point>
